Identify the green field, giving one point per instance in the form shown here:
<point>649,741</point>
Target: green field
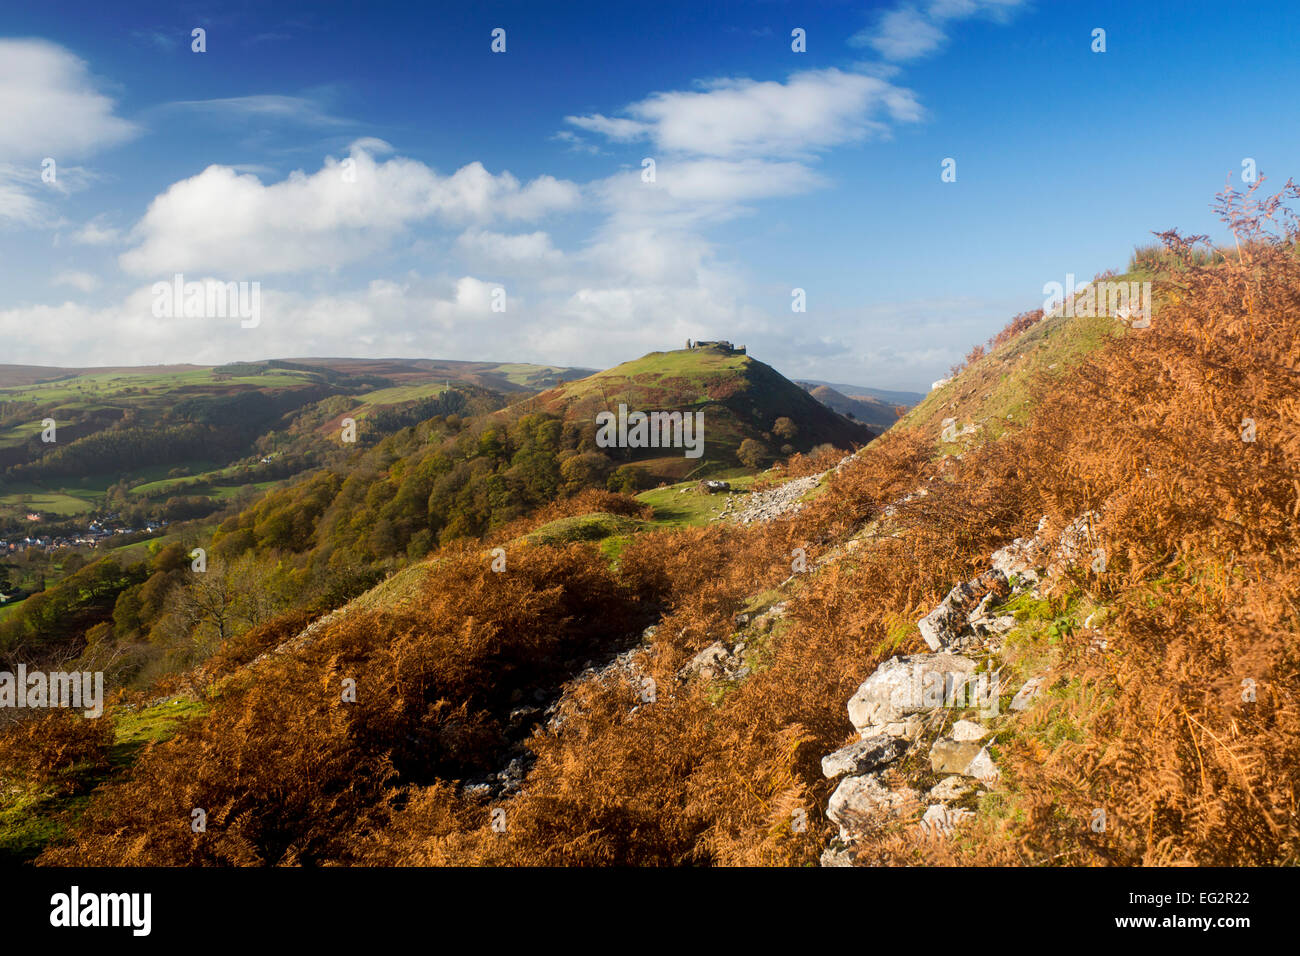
<point>135,383</point>
<point>675,509</point>
<point>17,500</point>
<point>397,395</point>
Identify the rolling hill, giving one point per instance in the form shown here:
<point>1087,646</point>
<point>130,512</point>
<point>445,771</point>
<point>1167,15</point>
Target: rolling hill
<point>741,399</point>
<point>888,396</point>
<point>211,431</point>
<point>872,412</point>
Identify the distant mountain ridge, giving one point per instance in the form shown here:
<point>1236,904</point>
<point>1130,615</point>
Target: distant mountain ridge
<point>503,376</point>
<point>871,411</point>
<point>885,395</point>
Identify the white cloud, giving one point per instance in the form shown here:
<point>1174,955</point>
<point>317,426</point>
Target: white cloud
<point>50,108</point>
<point>50,104</point>
<point>619,130</point>
<point>742,118</point>
<point>644,277</point>
<point>224,222</point>
<point>78,280</point>
<point>522,252</point>
<point>702,187</point>
<point>96,233</point>
<point>576,143</point>
<point>18,203</point>
<point>592,317</point>
<point>421,317</point>
<point>910,32</point>
<point>905,34</point>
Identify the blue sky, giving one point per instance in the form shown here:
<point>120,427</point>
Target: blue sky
<point>522,171</point>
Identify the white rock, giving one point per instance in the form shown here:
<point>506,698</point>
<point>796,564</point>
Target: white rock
<point>982,768</point>
<point>942,627</point>
<point>940,821</point>
<point>953,756</point>
<point>862,756</point>
<point>833,856</point>
<point>949,789</point>
<point>862,803</point>
<point>1025,696</point>
<point>968,730</point>
<point>899,687</point>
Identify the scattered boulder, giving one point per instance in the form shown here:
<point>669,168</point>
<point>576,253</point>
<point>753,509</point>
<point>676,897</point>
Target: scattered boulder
<point>512,777</point>
<point>986,625</point>
<point>909,728</point>
<point>949,789</point>
<point>775,502</point>
<point>860,804</point>
<point>837,856</point>
<point>1025,696</point>
<point>862,756</point>
<point>982,767</point>
<point>711,487</point>
<point>1075,543</point>
<point>717,662</point>
<point>942,628</point>
<point>967,730</point>
<point>708,662</point>
<point>764,622</point>
<point>1023,556</point>
<point>940,820</point>
<point>953,756</point>
<point>899,685</point>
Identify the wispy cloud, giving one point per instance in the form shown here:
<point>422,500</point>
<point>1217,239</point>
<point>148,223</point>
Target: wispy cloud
<point>302,110</point>
<point>742,118</point>
<point>912,31</point>
<point>158,39</point>
<point>576,143</point>
<point>78,280</point>
<point>54,114</point>
<point>97,233</point>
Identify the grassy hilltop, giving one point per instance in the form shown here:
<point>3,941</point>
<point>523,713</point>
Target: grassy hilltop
<point>741,398</point>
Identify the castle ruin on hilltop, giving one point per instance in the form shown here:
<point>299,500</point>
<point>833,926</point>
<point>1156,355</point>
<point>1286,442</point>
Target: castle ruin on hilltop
<point>720,346</point>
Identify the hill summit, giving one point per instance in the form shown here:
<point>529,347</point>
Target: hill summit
<point>746,404</point>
